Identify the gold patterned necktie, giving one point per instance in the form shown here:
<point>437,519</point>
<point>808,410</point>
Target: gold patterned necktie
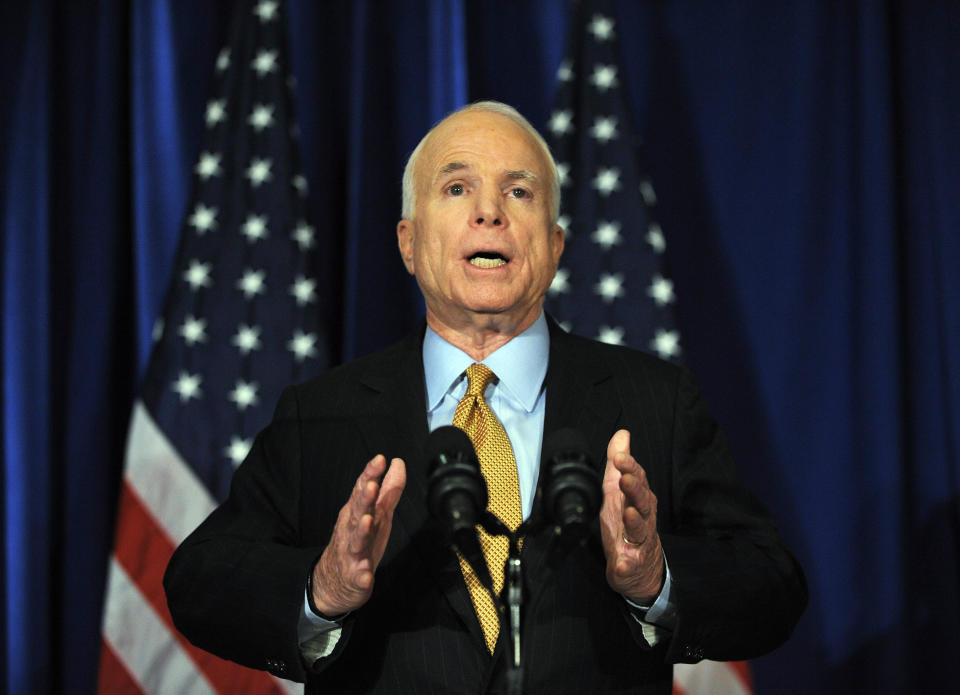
<point>499,467</point>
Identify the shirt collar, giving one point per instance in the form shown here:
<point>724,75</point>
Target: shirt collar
<point>520,364</point>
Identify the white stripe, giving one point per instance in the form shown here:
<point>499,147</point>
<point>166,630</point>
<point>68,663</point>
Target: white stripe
<point>143,642</point>
<point>169,487</point>
<point>708,677</point>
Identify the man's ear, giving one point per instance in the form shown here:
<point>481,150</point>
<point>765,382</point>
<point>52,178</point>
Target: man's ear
<point>557,241</point>
<point>405,233</point>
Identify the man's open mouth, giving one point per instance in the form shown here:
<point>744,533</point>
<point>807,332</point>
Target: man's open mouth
<point>488,259</point>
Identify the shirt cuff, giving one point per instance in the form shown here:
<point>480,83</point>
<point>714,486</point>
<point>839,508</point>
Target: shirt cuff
<point>316,636</point>
<point>661,615</point>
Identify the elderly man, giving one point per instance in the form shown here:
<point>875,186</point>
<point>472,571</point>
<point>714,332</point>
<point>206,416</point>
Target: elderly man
<point>324,564</point>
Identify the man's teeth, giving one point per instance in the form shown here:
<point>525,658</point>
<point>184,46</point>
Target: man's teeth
<point>481,262</point>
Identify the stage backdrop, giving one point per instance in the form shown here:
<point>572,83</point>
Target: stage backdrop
<point>805,159</point>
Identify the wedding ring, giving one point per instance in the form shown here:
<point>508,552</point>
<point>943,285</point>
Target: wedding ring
<point>630,542</point>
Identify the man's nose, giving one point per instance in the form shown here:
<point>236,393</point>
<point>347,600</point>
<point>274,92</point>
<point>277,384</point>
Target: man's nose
<point>488,211</point>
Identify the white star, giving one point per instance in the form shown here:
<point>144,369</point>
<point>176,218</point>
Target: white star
<point>610,286</point>
<point>255,228</point>
<point>216,112</point>
<point>561,122</point>
<point>208,165</point>
<point>646,190</point>
<point>604,77</point>
<point>251,284</point>
<point>604,129</point>
<point>157,332</point>
<point>303,235</point>
<point>655,238</point>
<point>244,394</point>
<point>194,330</point>
<point>561,282</point>
<point>259,171</point>
<point>223,60</point>
<point>197,275</point>
<point>266,10</point>
<point>303,345</point>
<point>188,386</point>
<point>303,289</point>
<point>611,335</point>
<point>563,221</point>
<point>247,338</point>
<point>261,117</point>
<point>264,63</point>
<point>565,71</point>
<point>606,234</point>
<point>563,173</point>
<point>300,183</point>
<point>666,343</point>
<point>238,450</point>
<point>601,27</point>
<point>607,181</point>
<point>661,289</point>
<point>203,219</point>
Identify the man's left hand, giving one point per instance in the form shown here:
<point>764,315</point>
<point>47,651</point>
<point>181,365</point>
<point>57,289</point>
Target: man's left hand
<point>628,525</point>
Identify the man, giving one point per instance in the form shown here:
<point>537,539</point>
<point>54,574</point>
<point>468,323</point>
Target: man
<point>324,564</point>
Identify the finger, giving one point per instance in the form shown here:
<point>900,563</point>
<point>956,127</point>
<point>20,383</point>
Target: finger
<point>392,487</point>
<point>619,443</point>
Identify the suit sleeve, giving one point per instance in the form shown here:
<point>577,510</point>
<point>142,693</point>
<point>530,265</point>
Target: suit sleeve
<point>738,590</point>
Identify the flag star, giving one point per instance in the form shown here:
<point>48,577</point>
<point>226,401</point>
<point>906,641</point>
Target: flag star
<point>606,234</point>
<point>194,330</point>
<point>157,332</point>
<point>607,181</point>
<point>604,77</point>
<point>610,286</point>
<point>261,117</point>
<point>601,27</point>
<point>259,171</point>
<point>266,10</point>
<point>655,238</point>
<point>197,275</point>
<point>303,345</point>
<point>244,394</point>
<point>563,173</point>
<point>251,284</point>
<point>666,343</point>
<point>223,60</point>
<point>203,219</point>
<point>646,190</point>
<point>565,71</point>
<point>563,221</point>
<point>187,386</point>
<point>604,128</point>
<point>561,122</point>
<point>238,450</point>
<point>216,112</point>
<point>264,63</point>
<point>247,338</point>
<point>661,289</point>
<point>303,235</point>
<point>561,282</point>
<point>300,183</point>
<point>255,228</point>
<point>208,165</point>
<point>303,290</point>
<point>612,335</point>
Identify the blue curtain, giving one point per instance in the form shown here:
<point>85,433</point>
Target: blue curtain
<point>805,158</point>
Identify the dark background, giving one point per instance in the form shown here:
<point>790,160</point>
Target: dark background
<point>805,157</point>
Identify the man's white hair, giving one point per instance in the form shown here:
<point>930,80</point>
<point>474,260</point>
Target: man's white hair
<point>409,200</point>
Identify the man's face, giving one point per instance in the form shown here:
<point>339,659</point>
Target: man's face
<point>481,242</point>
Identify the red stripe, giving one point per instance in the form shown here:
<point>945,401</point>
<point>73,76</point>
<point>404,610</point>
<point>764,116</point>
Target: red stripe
<point>143,549</point>
<point>742,669</point>
<point>114,678</point>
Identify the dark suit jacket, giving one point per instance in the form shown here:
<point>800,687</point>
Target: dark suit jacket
<point>235,587</point>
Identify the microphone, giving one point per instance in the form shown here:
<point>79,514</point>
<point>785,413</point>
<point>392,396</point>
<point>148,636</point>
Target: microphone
<point>456,490</point>
<point>571,490</point>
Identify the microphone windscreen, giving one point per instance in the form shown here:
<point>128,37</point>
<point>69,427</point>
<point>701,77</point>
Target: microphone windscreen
<point>562,441</point>
<point>449,442</point>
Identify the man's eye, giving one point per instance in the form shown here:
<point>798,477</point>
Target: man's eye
<point>455,189</point>
<point>519,193</point>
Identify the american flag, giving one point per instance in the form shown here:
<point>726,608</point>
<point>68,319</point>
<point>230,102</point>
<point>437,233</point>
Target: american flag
<point>241,320</point>
<point>611,284</point>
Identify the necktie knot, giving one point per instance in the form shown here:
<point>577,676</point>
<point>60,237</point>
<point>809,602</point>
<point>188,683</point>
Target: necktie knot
<point>479,377</point>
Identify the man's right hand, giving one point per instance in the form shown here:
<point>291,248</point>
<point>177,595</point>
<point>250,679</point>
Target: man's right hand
<point>343,576</point>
